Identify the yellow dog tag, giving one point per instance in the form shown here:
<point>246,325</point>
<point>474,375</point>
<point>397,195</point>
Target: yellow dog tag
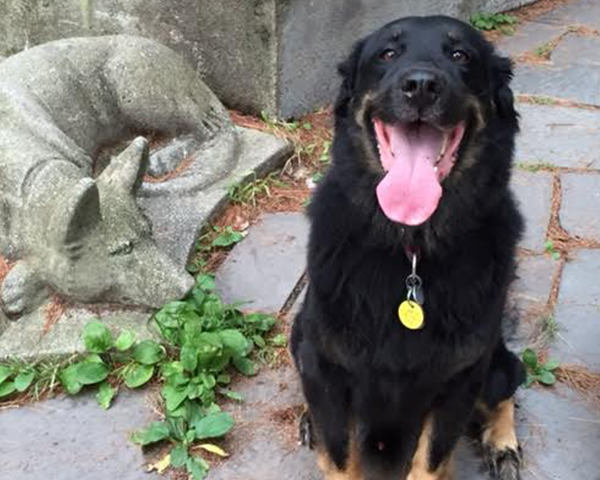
<point>411,315</point>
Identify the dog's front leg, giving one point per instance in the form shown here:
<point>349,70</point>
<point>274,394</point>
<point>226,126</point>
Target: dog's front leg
<point>443,427</point>
<point>326,424</point>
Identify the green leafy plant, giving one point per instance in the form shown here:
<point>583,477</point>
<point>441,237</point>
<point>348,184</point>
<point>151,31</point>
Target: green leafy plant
<point>537,371</point>
<point>549,248</point>
<point>226,237</point>
<point>493,21</point>
<point>250,192</point>
<point>203,342</point>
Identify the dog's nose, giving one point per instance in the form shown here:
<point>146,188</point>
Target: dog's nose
<point>421,88</point>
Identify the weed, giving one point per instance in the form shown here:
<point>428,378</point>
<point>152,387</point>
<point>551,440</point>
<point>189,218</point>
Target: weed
<point>226,237</point>
<point>550,329</point>
<point>274,124</point>
<point>251,191</point>
<point>549,248</point>
<point>545,50</point>
<point>535,167</point>
<point>494,21</point>
<point>326,153</point>
<point>542,100</point>
<point>538,372</point>
<point>202,341</point>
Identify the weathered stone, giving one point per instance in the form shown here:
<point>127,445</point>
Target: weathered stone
<point>558,136</point>
<point>266,266</point>
<point>578,311</point>
<point>580,204</point>
<point>273,55</point>
<point>166,158</point>
<point>178,221</point>
<point>80,237</point>
<point>73,438</point>
<point>44,335</point>
<point>528,37</point>
<point>534,194</point>
<point>579,83</point>
<point>578,12</point>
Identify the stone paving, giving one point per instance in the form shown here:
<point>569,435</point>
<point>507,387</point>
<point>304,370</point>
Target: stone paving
<point>557,158</point>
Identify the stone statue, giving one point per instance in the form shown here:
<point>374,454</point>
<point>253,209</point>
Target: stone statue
<point>65,230</point>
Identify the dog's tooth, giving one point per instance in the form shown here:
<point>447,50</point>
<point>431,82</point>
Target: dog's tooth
<point>435,169</point>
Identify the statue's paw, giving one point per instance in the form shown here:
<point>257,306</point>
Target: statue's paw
<point>21,291</point>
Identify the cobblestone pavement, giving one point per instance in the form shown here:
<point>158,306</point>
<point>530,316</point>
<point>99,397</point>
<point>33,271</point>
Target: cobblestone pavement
<point>557,182</point>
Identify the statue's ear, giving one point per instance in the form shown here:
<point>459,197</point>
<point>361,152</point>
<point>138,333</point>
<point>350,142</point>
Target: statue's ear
<point>78,214</point>
<point>126,171</point>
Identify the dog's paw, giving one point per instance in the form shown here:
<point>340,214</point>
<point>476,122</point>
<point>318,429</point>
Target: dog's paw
<point>504,464</point>
<point>305,430</point>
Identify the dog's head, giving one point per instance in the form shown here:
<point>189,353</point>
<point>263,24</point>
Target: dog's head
<point>421,95</point>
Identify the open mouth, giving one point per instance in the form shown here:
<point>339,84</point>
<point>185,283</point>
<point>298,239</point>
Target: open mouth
<point>417,157</point>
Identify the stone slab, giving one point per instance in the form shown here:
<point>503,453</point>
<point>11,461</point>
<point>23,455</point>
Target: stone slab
<point>577,50</point>
<point>559,136</point>
<point>578,83</point>
<point>528,37</point>
<point>264,442</point>
<point>559,434</point>
<point>266,266</point>
<point>578,311</point>
<point>74,439</point>
<point>580,205</point>
<point>534,195</point>
<point>578,12</point>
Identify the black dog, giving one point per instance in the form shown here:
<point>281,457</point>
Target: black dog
<point>411,254</point>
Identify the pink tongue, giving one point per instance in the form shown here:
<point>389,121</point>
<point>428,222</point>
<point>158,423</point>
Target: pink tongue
<point>410,191</point>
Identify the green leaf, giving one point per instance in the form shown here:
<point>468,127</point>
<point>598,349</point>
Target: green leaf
<point>136,375</point>
<point>91,373</point>
<point>189,358</point>
<point>546,377</point>
<point>529,380</point>
<point>179,455</point>
<point>224,378</point>
<point>231,394</point>
<point>235,341</point>
<point>23,380</point>
<point>171,368</point>
<point>177,428</point>
<point>259,341</point>
<point>148,352</point>
<point>174,396</point>
<point>156,432</point>
<point>105,394</point>
<point>125,340</point>
<point>530,358</point>
<point>213,425</point>
<point>97,337</point>
<point>227,237</point>
<point>5,372</point>
<point>7,388</point>
<point>245,366</point>
<point>205,282</point>
<point>68,379</point>
<point>197,467</point>
<point>279,340</point>
<point>551,365</point>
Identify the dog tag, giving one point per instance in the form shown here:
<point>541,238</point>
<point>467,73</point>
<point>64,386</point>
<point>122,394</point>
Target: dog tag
<point>411,315</point>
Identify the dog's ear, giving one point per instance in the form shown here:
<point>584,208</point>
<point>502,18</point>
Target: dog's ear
<point>348,70</point>
<point>502,74</point>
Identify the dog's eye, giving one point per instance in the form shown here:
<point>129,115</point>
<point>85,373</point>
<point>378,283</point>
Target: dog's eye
<point>388,54</point>
<point>459,56</point>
